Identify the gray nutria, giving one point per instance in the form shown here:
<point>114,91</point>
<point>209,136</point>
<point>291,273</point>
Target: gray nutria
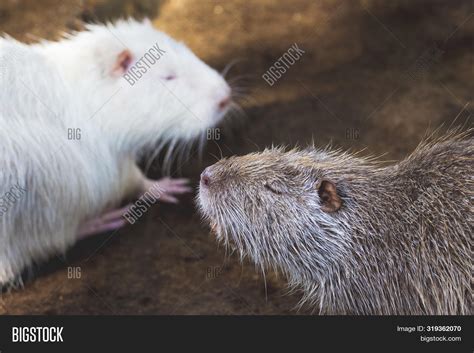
<point>356,236</point>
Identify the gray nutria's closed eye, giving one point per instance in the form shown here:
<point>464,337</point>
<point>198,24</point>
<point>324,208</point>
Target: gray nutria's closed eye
<point>356,236</point>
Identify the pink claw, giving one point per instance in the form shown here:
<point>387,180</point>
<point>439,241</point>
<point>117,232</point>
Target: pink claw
<point>166,188</point>
<point>108,221</point>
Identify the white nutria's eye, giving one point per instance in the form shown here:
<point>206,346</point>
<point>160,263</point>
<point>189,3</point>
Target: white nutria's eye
<point>169,77</point>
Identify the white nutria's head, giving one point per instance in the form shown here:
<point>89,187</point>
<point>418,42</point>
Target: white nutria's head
<point>141,85</point>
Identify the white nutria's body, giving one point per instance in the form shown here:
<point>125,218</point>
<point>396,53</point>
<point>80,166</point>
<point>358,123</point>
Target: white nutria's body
<point>52,88</point>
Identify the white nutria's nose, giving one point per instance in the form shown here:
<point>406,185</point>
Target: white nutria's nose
<point>224,103</point>
<point>225,96</point>
<point>206,177</point>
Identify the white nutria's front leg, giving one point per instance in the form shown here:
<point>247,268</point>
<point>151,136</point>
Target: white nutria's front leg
<point>136,185</point>
<point>166,188</point>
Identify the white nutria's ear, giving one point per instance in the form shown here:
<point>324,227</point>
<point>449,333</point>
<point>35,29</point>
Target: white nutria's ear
<point>146,21</point>
<point>122,62</point>
<point>330,200</point>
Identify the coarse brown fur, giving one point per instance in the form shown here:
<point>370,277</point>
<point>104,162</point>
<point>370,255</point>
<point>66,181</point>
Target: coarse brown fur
<point>389,240</point>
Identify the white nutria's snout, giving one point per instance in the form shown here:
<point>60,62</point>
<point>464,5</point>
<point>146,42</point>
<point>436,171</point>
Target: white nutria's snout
<point>140,84</point>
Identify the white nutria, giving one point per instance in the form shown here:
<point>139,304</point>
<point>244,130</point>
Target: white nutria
<point>358,237</point>
<point>55,189</point>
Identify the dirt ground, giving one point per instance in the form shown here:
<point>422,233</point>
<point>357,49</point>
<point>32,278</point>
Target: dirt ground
<point>375,75</point>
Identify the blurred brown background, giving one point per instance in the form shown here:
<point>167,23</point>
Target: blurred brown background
<point>375,74</point>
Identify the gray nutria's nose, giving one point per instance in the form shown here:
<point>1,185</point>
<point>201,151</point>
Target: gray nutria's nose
<point>206,177</point>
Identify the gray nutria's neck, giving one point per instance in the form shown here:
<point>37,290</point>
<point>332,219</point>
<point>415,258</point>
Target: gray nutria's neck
<point>409,231</point>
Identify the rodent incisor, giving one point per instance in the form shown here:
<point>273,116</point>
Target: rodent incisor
<point>357,237</point>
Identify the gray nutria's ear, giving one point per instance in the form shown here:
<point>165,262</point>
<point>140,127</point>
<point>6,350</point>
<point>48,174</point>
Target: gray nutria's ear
<point>330,200</point>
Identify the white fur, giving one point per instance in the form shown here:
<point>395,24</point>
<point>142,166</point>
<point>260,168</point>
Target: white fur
<point>50,87</point>
<point>152,109</point>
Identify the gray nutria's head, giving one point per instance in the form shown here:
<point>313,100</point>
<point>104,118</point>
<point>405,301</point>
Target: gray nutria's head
<point>285,210</point>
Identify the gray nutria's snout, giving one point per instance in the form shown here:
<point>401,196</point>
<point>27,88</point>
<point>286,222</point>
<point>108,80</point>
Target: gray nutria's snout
<point>206,177</point>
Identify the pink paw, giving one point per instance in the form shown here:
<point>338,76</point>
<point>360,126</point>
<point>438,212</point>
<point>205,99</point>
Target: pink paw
<point>166,188</point>
<point>108,221</point>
